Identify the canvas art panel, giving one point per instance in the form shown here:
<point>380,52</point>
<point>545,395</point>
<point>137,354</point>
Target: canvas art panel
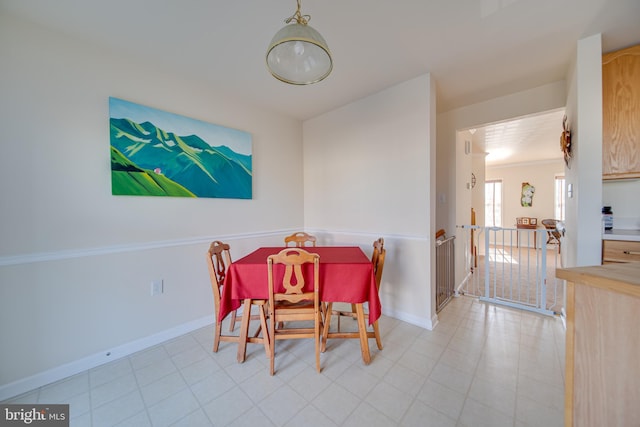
<point>526,198</point>
<point>157,153</point>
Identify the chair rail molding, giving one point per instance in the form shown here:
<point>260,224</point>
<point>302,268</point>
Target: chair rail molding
<point>132,247</point>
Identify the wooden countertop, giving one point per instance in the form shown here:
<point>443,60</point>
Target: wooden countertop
<point>623,278</point>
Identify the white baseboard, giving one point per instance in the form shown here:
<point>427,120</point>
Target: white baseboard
<point>24,385</point>
<point>411,319</point>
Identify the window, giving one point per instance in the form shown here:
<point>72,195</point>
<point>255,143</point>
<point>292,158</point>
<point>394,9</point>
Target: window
<point>559,197</point>
<point>493,203</point>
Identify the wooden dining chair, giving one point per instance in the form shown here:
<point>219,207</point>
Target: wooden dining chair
<point>300,239</point>
<point>377,260</point>
<point>218,261</point>
<point>293,299</point>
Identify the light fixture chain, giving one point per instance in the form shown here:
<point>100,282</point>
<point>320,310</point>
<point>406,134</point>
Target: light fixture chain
<point>299,17</point>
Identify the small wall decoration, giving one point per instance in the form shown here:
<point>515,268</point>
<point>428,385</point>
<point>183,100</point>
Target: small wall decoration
<point>565,142</point>
<point>156,153</point>
<point>526,199</point>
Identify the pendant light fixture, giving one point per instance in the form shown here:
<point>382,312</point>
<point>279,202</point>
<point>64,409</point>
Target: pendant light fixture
<point>298,54</point>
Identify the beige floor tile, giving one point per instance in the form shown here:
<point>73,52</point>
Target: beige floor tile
<point>494,395</point>
<point>309,416</point>
<point>118,410</point>
<point>337,403</point>
<point>162,389</point>
<point>212,387</point>
<point>261,385</point>
<point>154,371</point>
<point>483,365</point>
<point>475,414</point>
<point>423,415</point>
<point>173,408</point>
<point>389,400</point>
<point>453,378</point>
<point>367,415</point>
<point>442,398</point>
<point>110,371</point>
<point>195,419</point>
<point>115,389</point>
<point>534,413</point>
<point>279,413</point>
<point>141,419</point>
<point>227,407</point>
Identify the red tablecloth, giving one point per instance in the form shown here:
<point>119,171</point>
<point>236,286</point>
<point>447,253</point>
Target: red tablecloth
<point>346,275</point>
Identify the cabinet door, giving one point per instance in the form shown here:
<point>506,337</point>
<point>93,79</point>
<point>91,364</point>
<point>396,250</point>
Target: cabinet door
<point>621,114</point>
<point>620,251</point>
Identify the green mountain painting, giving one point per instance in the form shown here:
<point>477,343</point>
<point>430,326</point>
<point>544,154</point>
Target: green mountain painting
<point>155,153</point>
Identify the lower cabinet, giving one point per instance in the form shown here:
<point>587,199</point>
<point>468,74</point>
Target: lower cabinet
<point>602,377</point>
<point>620,251</point>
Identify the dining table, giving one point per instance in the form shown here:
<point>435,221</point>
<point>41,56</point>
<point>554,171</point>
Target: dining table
<point>346,275</point>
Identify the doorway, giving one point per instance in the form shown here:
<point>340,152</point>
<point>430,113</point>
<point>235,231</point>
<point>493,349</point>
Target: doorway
<point>504,157</point>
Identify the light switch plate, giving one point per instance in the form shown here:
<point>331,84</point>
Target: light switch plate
<point>157,287</point>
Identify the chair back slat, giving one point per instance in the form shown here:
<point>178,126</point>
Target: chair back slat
<point>293,281</point>
<point>218,261</point>
<point>295,303</point>
<point>300,239</point>
<point>379,266</point>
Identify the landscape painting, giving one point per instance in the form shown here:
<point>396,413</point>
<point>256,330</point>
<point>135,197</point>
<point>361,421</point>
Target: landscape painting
<point>156,153</point>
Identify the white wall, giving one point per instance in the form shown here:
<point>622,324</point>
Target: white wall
<point>479,169</point>
<point>539,174</point>
<point>76,262</point>
<point>582,244</point>
<point>622,197</point>
<point>387,192</point>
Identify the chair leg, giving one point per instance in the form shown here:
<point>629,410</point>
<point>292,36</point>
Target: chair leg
<point>232,324</point>
<point>265,331</point>
<point>244,331</point>
<point>216,336</point>
<point>272,342</point>
<point>362,328</point>
<point>376,332</point>
<point>316,337</point>
<point>327,324</point>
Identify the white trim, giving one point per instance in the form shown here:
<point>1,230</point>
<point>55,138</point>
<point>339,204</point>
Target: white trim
<point>37,257</point>
<point>25,385</point>
<point>133,247</point>
<point>369,235</point>
<point>422,322</point>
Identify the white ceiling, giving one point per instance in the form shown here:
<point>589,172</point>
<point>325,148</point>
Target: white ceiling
<point>523,140</point>
<point>475,49</point>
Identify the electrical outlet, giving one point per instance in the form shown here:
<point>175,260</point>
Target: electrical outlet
<point>157,287</point>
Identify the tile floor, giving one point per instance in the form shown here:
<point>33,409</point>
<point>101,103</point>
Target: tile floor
<point>483,365</point>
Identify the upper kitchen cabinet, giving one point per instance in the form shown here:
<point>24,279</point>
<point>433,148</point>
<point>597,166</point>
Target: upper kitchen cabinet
<point>621,114</point>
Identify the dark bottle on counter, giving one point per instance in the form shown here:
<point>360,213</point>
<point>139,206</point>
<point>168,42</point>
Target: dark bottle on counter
<point>607,217</point>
